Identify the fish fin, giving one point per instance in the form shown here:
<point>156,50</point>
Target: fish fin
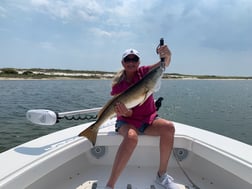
<point>149,92</point>
<point>90,133</point>
<point>146,96</point>
<point>157,85</point>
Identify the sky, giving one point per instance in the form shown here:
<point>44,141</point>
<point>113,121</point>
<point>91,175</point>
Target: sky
<point>206,37</point>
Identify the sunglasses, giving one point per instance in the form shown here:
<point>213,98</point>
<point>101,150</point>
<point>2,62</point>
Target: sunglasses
<point>128,60</point>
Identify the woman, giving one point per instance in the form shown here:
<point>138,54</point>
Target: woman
<point>141,119</point>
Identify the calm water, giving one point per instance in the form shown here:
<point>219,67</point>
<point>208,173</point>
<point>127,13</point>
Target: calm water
<point>224,107</point>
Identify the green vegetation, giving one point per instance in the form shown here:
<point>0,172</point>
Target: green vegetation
<point>38,73</point>
<point>9,71</point>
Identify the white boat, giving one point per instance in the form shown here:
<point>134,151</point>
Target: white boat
<point>62,160</point>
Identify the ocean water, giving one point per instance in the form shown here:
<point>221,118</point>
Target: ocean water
<point>221,106</point>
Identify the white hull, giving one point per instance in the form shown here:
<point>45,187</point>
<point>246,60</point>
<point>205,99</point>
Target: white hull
<point>62,160</point>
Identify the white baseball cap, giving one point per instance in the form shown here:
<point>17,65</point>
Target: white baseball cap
<point>130,51</point>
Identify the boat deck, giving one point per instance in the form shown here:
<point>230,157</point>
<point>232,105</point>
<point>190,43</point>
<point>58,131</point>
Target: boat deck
<point>135,177</point>
<point>132,177</point>
<point>82,171</point>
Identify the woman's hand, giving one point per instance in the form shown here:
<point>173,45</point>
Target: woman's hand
<point>122,110</point>
<point>164,52</point>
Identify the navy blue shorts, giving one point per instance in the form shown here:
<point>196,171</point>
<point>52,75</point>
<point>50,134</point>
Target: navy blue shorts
<point>120,123</point>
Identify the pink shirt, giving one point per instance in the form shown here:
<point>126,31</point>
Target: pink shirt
<point>145,113</point>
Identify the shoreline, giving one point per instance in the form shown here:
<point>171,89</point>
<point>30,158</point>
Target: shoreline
<point>49,78</point>
<point>57,74</point>
<point>104,78</point>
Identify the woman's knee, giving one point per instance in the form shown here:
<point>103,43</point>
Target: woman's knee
<point>131,137</point>
<point>168,128</point>
<point>171,126</point>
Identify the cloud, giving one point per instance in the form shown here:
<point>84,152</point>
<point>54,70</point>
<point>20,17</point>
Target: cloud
<point>87,10</point>
<point>2,12</point>
<point>220,25</point>
<point>109,34</point>
<point>212,24</point>
<point>100,32</point>
<point>126,14</point>
<point>47,45</point>
<point>226,25</point>
<point>40,2</point>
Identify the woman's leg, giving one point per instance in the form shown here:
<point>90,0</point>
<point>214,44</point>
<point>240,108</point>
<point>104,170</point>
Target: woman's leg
<point>165,129</point>
<point>126,148</point>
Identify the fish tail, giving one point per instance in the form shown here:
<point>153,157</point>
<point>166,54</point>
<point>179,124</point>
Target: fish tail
<point>90,133</point>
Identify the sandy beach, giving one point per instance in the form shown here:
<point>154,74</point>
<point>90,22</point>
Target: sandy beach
<point>78,75</point>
